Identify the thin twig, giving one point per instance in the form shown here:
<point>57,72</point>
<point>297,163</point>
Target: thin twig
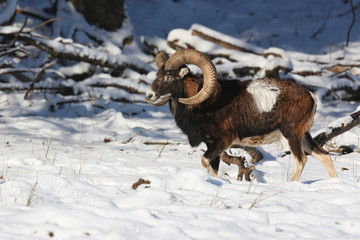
<point>43,89</point>
<point>161,150</point>
<point>31,194</point>
<point>348,11</point>
<point>37,78</point>
<point>138,133</point>
<point>352,22</point>
<point>262,196</point>
<point>322,28</point>
<point>44,23</point>
<point>161,143</point>
<point>47,148</point>
<point>13,50</point>
<point>20,31</point>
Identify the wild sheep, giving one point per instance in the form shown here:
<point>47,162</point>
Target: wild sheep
<point>222,113</point>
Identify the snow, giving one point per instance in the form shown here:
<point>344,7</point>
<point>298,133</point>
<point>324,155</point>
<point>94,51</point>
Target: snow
<point>76,176</point>
<point>226,38</point>
<point>8,11</point>
<point>68,173</point>
<point>60,178</point>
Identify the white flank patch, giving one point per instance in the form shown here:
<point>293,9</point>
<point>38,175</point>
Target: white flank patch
<point>264,94</point>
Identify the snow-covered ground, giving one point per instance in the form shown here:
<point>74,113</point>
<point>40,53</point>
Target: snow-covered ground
<point>68,174</point>
<point>71,178</point>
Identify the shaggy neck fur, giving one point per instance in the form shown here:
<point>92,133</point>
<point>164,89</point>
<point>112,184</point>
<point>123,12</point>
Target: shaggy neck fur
<point>184,115</point>
<point>188,122</point>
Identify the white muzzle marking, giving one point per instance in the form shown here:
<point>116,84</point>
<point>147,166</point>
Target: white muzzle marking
<point>153,98</point>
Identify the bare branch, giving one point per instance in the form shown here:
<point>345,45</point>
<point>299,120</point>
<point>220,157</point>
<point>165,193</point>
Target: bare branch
<point>352,22</point>
<point>34,14</point>
<point>14,50</point>
<point>138,133</point>
<point>20,30</point>
<point>115,85</point>
<point>10,70</point>
<point>338,127</point>
<point>44,23</point>
<point>82,53</point>
<point>37,78</point>
<point>205,34</point>
<point>20,89</point>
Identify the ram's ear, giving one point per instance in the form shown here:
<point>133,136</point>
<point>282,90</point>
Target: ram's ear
<point>183,71</point>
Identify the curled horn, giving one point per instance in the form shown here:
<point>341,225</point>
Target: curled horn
<point>192,56</point>
<point>161,59</point>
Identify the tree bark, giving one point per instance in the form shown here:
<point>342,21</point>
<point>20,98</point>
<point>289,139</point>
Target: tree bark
<point>107,14</point>
<point>84,54</point>
<point>338,127</point>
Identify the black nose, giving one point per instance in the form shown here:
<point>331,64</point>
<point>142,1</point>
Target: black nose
<point>149,95</point>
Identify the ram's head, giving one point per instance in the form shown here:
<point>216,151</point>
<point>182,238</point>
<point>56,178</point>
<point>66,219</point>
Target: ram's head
<point>171,72</point>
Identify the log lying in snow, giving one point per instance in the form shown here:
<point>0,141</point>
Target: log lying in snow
<point>60,49</point>
<point>240,162</point>
<point>65,48</point>
<point>337,127</point>
<point>223,40</point>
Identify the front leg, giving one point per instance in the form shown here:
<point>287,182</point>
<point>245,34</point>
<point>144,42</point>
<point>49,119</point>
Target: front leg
<point>215,163</point>
<point>206,162</point>
<point>211,158</point>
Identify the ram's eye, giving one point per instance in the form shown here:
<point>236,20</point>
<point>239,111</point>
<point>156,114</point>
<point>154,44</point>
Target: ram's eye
<point>169,78</point>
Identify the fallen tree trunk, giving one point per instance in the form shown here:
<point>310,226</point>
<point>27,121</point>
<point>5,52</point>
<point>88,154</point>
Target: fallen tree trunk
<point>220,42</point>
<point>115,85</point>
<point>337,128</point>
<point>226,41</point>
<point>60,48</point>
<point>63,89</point>
<point>81,53</point>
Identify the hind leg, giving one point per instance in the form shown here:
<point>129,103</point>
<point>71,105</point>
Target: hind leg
<point>299,157</point>
<point>311,147</point>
